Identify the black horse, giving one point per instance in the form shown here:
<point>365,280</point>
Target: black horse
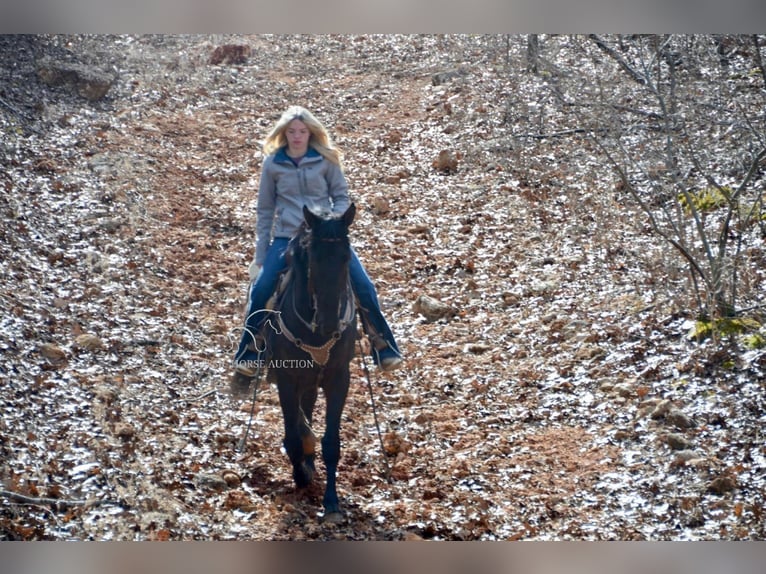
<point>312,343</point>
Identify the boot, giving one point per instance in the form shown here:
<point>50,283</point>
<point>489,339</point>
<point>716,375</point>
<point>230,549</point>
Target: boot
<point>383,354</point>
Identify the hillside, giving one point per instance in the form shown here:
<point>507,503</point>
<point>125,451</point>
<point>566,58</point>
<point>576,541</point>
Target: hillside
<point>561,399</point>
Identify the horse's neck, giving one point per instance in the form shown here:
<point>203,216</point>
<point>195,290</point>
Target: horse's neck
<point>300,298</point>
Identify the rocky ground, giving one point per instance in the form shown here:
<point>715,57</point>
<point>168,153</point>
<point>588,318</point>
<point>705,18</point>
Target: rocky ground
<point>556,396</point>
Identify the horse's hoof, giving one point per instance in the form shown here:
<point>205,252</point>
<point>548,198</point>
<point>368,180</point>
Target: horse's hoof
<point>303,475</point>
<point>335,517</point>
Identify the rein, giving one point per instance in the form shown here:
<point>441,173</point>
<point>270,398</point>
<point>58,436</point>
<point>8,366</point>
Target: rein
<point>388,469</point>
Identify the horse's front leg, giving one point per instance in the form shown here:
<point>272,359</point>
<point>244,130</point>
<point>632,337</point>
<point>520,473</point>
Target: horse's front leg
<point>335,393</point>
<point>308,438</point>
<point>295,423</point>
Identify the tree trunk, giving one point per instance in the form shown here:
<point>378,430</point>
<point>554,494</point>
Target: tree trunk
<point>533,52</point>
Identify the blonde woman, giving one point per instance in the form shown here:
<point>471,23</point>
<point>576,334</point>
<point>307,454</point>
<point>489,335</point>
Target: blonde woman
<point>303,167</point>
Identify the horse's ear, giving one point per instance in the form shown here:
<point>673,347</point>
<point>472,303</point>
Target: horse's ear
<point>348,217</point>
<point>310,218</point>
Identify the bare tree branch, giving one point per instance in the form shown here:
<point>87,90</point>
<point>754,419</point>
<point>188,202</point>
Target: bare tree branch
<point>58,503</point>
<point>758,59</point>
<point>13,109</point>
<point>635,76</point>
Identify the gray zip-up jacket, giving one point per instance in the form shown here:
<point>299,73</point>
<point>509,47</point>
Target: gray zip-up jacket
<point>285,188</point>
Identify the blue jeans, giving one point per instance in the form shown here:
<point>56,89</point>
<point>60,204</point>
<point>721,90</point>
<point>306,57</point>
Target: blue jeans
<point>382,339</point>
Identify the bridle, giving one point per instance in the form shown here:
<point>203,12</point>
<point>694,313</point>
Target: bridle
<point>320,354</point>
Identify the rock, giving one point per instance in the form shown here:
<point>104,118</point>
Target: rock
<point>231,478</point>
<point>156,520</point>
<point>124,431</point>
<point>589,352</point>
<point>419,229</point>
<point>443,77</point>
<point>380,205</point>
<point>662,409</point>
<point>679,420</point>
<point>211,481</point>
<point>687,457</point>
<point>224,282</point>
<point>549,318</point>
<point>476,348</point>
<point>509,299</point>
<point>397,177</point>
<point>60,303</point>
<point>446,162</point>
<point>622,435</point>
<point>666,411</point>
<point>53,353</point>
<point>112,225</point>
<point>89,342</point>
<point>625,390</point>
<point>542,288</point>
<point>644,411</point>
<point>230,54</point>
<point>576,331</point>
<point>432,309</point>
<point>116,164</point>
<point>238,500</point>
<point>89,82</point>
<point>722,485</point>
<point>106,395</point>
<point>394,137</point>
<point>544,261</point>
<point>677,441</point>
<point>606,386</point>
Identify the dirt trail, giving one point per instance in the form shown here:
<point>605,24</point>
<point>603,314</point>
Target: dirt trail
<point>526,415</point>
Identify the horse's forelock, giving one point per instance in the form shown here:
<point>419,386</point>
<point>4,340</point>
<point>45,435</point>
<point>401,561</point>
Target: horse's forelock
<point>323,235</point>
<point>330,227</point>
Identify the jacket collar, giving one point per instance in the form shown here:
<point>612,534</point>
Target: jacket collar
<point>282,157</point>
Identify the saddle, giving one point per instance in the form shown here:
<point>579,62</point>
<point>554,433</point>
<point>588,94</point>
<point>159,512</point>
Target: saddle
<point>275,301</point>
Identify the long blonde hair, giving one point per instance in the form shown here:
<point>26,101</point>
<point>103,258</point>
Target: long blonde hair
<point>319,139</point>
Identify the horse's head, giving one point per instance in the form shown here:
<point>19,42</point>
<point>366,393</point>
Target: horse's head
<point>329,252</point>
